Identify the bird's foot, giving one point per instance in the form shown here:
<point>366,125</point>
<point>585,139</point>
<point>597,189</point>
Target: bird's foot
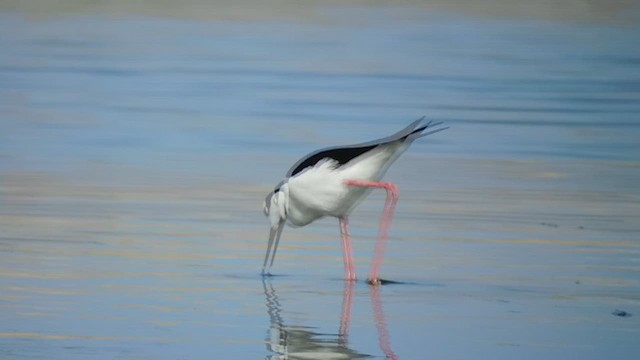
<point>379,281</point>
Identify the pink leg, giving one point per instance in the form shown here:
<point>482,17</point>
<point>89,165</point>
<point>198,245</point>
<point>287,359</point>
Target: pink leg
<point>349,269</point>
<point>385,221</point>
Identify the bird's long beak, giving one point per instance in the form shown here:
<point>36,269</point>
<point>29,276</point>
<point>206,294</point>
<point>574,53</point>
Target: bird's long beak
<point>274,234</point>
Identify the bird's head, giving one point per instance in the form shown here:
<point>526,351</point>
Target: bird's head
<point>275,206</point>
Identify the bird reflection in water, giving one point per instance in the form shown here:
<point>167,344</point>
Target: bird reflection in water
<point>301,342</point>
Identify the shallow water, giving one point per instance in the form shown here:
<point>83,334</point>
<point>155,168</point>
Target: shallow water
<point>135,153</point>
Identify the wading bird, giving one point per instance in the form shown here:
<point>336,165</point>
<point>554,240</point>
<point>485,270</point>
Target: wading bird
<point>332,182</point>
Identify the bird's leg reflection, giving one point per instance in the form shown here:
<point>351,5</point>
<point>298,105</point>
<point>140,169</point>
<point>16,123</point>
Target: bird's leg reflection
<point>381,324</point>
<point>284,341</point>
<point>345,318</point>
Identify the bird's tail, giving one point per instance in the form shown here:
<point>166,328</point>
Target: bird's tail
<point>418,133</point>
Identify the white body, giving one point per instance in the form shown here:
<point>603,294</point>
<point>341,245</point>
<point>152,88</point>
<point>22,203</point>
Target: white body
<point>320,190</point>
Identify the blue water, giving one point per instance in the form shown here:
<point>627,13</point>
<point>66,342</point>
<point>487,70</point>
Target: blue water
<point>135,152</point>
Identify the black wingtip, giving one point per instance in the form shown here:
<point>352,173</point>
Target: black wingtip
<point>428,125</point>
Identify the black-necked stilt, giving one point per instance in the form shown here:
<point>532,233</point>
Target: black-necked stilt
<point>331,182</point>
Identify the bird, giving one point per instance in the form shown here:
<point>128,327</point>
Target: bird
<point>332,182</point>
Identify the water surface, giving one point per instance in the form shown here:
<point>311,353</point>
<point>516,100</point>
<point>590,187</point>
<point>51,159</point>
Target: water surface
<point>135,151</point>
